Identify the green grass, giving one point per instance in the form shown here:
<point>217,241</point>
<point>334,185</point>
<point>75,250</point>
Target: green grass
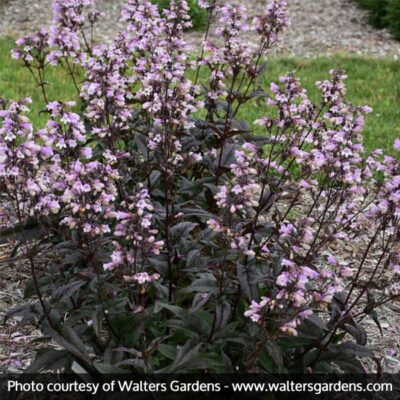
<point>375,82</point>
<point>16,82</point>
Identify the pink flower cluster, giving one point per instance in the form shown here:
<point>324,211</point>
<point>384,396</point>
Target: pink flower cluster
<point>20,157</point>
<point>337,197</point>
<point>243,191</point>
<point>67,32</point>
<point>32,48</point>
<point>136,236</point>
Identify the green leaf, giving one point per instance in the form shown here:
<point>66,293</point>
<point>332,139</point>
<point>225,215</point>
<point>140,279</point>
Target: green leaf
<point>137,363</point>
<point>178,311</point>
<point>104,368</point>
<point>28,312</point>
<point>192,257</point>
<point>206,284</point>
<point>141,143</point>
<point>187,352</point>
<point>267,362</point>
<point>66,291</point>
<point>198,301</point>
<point>275,351</point>
<point>197,212</point>
<point>358,332</point>
<point>97,320</point>
<point>182,230</point>
<point>168,351</point>
<point>49,359</point>
<point>351,349</point>
<point>228,155</point>
<point>374,315</point>
<point>243,278</point>
<point>69,340</point>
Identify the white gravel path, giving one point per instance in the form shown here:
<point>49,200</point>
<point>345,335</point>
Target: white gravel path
<point>318,26</point>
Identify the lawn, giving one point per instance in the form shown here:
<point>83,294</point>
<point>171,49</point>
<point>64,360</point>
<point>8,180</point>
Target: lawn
<point>375,82</point>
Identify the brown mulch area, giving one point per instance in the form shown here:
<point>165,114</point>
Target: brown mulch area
<point>19,344</point>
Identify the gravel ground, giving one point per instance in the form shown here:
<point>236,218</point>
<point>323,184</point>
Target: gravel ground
<point>318,26</point>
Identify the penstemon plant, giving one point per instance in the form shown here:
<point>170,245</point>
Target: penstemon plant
<point>162,234</point>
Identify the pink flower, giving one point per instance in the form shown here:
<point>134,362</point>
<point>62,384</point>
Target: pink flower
<point>286,230</point>
<point>332,260</point>
<point>142,278</point>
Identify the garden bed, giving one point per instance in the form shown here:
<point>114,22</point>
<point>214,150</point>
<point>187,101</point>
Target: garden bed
<point>189,214</point>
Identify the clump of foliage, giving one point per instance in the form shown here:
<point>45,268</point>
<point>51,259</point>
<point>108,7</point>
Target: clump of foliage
<point>383,14</point>
<point>376,10</point>
<point>393,17</point>
<point>162,235</point>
